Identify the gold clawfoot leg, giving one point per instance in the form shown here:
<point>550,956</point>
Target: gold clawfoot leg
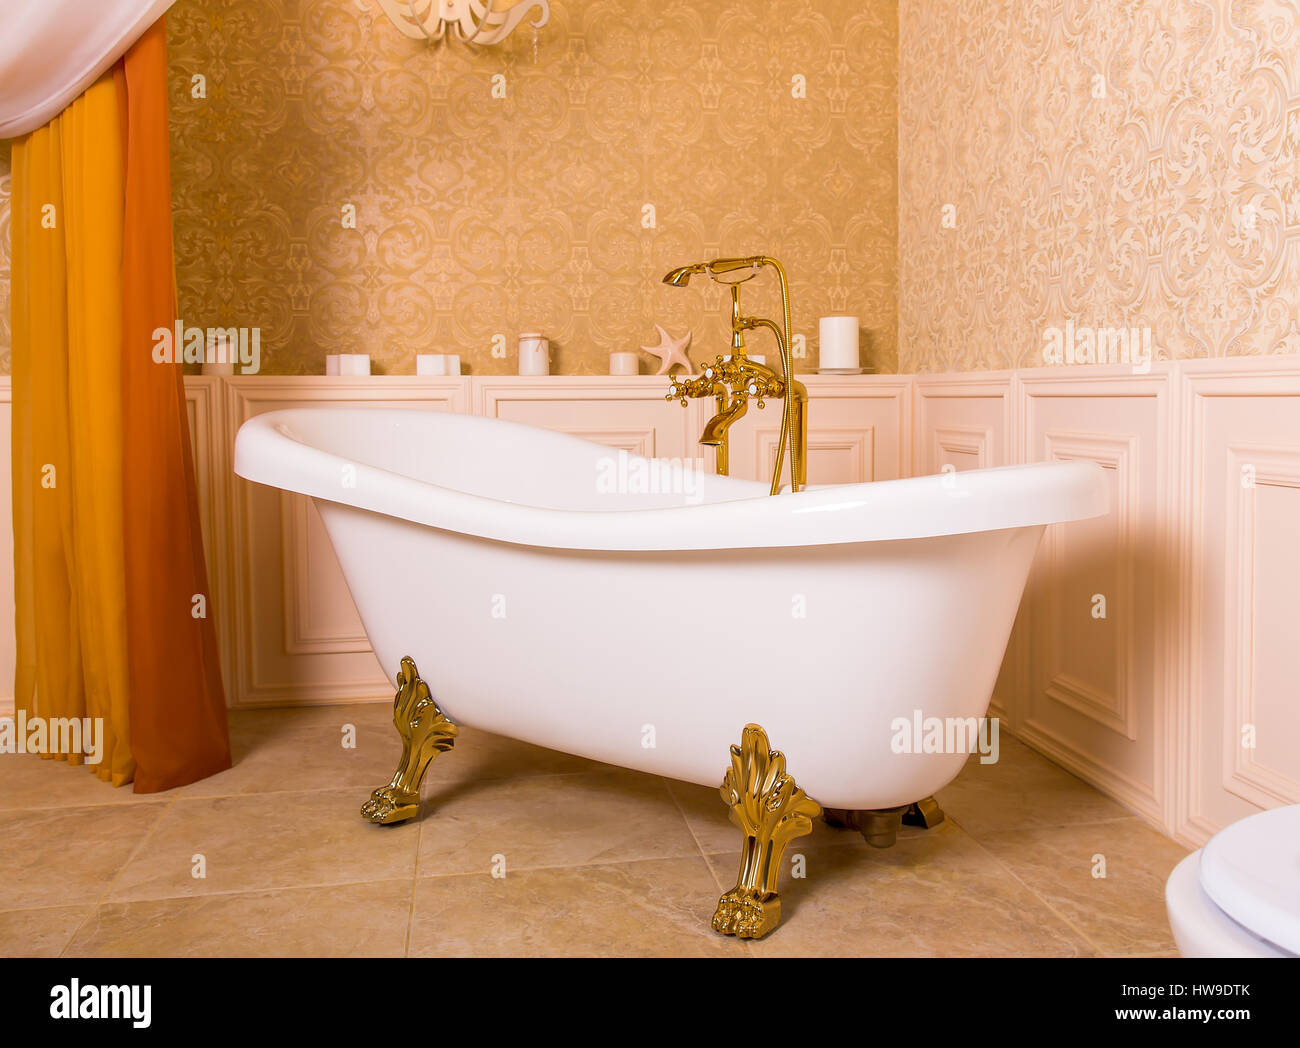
<point>925,813</point>
<point>771,811</point>
<point>879,826</point>
<point>426,732</point>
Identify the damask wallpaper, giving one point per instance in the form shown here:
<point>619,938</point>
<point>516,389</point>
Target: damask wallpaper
<point>1093,162</point>
<point>1122,165</point>
<point>346,189</point>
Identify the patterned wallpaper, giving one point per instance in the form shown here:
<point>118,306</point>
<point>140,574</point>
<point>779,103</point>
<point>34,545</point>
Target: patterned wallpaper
<point>633,136</point>
<point>1108,163</point>
<point>1114,164</point>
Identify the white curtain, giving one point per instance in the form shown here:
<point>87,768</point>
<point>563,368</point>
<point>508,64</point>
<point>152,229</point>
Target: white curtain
<point>52,50</point>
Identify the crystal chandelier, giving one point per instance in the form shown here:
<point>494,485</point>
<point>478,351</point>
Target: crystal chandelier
<point>476,21</point>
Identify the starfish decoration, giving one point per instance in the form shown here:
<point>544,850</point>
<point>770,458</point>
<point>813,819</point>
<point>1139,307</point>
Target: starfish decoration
<point>670,351</point>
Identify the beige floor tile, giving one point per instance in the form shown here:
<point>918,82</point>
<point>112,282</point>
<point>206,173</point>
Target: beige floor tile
<point>1124,912</point>
<point>706,815</point>
<point>655,908</point>
<point>598,860</point>
<point>279,750</point>
<point>38,933</point>
<point>935,896</point>
<point>27,781</point>
<point>276,750</point>
<point>1022,790</point>
<point>281,840</point>
<point>558,820</point>
<point>481,755</point>
<point>53,857</point>
<point>351,920</point>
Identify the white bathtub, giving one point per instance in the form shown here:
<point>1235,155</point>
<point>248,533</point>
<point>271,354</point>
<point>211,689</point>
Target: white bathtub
<point>647,630</point>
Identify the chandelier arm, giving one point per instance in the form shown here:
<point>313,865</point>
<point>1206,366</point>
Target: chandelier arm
<point>400,13</point>
<point>423,21</point>
<point>478,29</point>
<point>477,21</point>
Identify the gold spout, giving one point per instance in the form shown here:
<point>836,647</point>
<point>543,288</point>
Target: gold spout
<point>715,430</point>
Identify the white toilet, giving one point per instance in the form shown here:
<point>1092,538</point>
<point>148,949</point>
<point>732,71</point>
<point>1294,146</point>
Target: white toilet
<point>1239,896</point>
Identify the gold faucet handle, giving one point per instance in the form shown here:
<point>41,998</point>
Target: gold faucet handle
<point>757,380</point>
<point>703,385</point>
<point>682,389</point>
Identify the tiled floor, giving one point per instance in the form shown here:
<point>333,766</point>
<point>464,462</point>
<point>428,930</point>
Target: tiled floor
<point>596,860</point>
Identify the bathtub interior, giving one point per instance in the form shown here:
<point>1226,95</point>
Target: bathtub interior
<point>510,462</point>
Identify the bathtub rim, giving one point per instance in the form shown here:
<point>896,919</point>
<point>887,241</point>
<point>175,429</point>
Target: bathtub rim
<point>999,498</point>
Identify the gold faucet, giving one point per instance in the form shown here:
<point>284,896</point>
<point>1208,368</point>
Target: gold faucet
<point>734,381</point>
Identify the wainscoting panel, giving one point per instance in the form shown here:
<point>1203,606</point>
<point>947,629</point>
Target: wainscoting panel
<point>963,422</point>
<point>966,422</point>
<point>1239,703</point>
<point>1180,702</point>
<point>295,635</point>
<point>629,413</point>
<point>1100,600</point>
<point>859,429</point>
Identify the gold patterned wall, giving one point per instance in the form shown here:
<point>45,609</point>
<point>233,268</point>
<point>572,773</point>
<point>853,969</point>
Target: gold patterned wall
<point>633,135</point>
<point>1130,163</point>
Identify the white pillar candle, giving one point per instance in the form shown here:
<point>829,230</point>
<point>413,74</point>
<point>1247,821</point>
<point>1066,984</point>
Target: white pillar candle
<point>624,364</point>
<point>219,354</point>
<point>838,343</point>
<point>453,363</point>
<point>331,363</point>
<point>430,364</point>
<point>534,355</point>
<point>354,363</point>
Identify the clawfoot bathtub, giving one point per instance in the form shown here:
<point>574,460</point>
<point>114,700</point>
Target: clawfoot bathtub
<point>552,590</point>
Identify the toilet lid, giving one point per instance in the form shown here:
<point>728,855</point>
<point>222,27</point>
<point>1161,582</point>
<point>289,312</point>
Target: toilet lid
<point>1252,872</point>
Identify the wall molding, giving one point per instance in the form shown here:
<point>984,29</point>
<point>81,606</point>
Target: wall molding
<point>1116,739</point>
<point>302,634</point>
<point>1116,711</point>
<point>964,440</point>
<point>293,664</point>
<point>1270,466</point>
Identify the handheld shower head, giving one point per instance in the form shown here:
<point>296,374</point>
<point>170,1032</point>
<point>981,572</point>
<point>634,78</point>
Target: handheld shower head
<point>681,276</point>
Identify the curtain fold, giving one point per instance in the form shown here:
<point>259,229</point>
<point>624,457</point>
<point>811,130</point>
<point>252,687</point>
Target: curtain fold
<point>67,351</point>
<point>178,707</point>
<point>108,553</point>
<point>93,177</point>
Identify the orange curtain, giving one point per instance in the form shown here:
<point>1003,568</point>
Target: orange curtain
<point>178,707</point>
<point>112,608</point>
<point>67,452</point>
